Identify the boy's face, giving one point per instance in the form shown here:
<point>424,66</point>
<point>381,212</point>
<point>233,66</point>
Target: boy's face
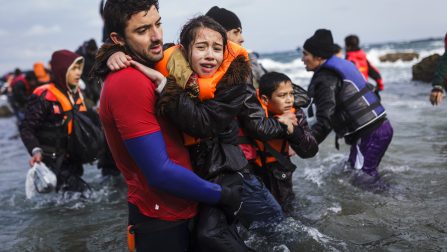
<point>235,35</point>
<point>74,74</point>
<point>282,99</point>
<point>144,35</point>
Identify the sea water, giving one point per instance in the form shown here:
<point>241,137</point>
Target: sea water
<point>330,215</point>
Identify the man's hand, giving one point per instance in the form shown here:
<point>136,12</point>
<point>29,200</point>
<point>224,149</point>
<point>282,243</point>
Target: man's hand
<point>231,194</point>
<point>36,158</point>
<point>436,97</point>
<point>118,61</point>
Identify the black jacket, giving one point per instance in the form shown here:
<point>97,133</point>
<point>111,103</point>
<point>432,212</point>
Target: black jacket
<point>254,122</point>
<point>44,125</point>
<point>327,89</point>
<point>301,140</point>
<point>324,88</point>
<point>214,120</point>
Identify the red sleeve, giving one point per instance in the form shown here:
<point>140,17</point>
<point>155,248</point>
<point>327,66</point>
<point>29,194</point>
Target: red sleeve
<point>132,104</point>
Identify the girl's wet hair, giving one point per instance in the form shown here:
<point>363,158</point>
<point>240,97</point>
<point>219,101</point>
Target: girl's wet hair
<point>270,81</point>
<point>189,32</point>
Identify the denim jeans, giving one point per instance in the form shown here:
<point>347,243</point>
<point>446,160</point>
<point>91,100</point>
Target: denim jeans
<point>259,205</point>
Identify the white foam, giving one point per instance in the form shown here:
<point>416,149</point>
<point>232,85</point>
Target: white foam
<point>335,209</point>
<point>315,175</point>
<point>396,169</point>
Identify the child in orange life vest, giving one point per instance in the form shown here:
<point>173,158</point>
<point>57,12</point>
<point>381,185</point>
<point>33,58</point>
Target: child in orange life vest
<point>276,93</point>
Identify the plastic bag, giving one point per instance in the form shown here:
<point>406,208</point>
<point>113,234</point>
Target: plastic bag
<point>40,179</point>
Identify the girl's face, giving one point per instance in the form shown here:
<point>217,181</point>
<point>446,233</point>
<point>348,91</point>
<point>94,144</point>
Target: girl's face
<point>206,52</point>
<point>282,99</point>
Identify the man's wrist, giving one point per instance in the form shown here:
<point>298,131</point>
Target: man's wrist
<point>36,150</point>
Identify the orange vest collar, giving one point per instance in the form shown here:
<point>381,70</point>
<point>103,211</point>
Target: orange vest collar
<point>207,86</point>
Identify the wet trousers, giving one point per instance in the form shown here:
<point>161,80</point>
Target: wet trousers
<point>216,227</point>
<point>68,173</point>
<point>367,153</point>
<point>159,235</point>
<point>259,204</point>
<point>279,184</point>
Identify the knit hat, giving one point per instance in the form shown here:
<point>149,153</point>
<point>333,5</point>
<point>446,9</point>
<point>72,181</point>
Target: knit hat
<point>224,17</point>
<point>321,44</point>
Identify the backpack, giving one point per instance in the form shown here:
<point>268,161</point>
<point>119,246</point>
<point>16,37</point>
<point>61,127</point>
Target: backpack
<point>86,142</point>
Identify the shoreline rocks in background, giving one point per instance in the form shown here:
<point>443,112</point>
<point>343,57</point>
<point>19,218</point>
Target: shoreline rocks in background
<point>425,69</point>
<point>5,111</point>
<point>404,56</point>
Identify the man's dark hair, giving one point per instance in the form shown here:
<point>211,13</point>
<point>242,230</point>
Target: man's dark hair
<point>270,81</point>
<point>118,12</point>
<point>352,43</point>
<point>189,32</point>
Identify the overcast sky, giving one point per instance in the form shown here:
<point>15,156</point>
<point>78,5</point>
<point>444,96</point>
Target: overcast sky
<point>30,30</point>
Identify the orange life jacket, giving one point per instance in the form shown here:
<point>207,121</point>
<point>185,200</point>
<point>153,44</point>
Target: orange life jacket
<point>54,94</point>
<point>40,72</point>
<point>279,145</point>
<point>359,59</point>
<point>207,85</point>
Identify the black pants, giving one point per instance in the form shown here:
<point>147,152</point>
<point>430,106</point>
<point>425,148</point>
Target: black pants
<point>159,235</point>
<point>68,173</point>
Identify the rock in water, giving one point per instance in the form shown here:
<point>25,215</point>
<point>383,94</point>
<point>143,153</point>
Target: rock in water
<point>425,69</point>
<point>404,56</point>
<point>5,111</point>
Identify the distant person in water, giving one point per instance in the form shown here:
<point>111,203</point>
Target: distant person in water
<point>338,51</point>
<point>344,103</point>
<point>47,126</point>
<point>355,54</point>
<point>440,80</point>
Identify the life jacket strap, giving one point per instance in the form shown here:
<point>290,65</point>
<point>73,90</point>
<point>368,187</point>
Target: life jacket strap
<point>356,96</point>
<point>371,107</point>
<point>282,160</point>
<point>244,140</point>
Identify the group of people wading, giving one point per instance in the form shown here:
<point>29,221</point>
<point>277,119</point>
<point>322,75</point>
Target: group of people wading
<point>202,134</point>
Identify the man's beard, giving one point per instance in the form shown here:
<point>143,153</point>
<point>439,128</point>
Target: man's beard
<point>142,58</point>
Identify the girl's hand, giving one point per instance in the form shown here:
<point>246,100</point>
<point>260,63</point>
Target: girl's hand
<point>152,74</point>
<point>118,61</point>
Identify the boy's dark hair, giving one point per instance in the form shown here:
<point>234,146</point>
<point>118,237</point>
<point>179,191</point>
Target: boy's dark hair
<point>352,43</point>
<point>189,32</point>
<point>270,81</point>
<point>118,12</point>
